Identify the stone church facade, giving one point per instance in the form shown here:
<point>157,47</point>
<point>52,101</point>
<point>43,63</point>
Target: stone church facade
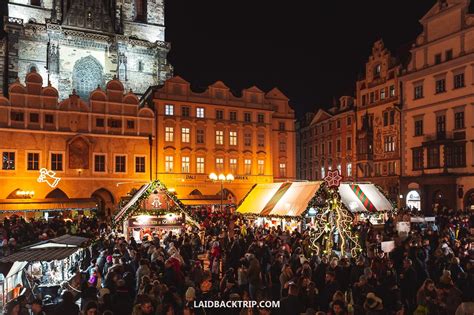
<point>82,44</point>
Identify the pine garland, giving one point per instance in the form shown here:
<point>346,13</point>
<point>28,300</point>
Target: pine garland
<point>155,185</point>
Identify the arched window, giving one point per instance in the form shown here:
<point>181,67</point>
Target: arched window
<point>140,10</point>
<point>86,76</point>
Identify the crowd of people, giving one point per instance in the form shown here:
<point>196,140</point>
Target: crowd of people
<point>17,232</point>
<point>430,271</point>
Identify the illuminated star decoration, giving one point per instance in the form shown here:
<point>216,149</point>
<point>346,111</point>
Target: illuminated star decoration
<point>333,179</point>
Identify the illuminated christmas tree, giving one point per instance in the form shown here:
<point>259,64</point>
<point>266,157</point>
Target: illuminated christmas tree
<point>333,230</point>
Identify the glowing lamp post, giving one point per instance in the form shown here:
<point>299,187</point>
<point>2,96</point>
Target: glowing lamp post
<point>221,178</point>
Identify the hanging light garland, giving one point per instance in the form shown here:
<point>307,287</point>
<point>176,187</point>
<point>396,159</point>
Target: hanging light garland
<point>333,223</point>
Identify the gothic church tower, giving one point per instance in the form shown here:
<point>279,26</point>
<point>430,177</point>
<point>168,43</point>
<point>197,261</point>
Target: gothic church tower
<point>81,44</point>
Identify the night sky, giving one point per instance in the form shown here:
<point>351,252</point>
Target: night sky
<point>313,53</point>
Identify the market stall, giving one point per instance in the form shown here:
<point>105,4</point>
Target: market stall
<point>328,208</point>
<point>153,209</point>
<point>42,267</point>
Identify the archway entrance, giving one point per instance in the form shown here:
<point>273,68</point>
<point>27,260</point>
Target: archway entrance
<point>439,199</point>
<point>105,201</point>
<point>413,200</point>
<point>469,200</point>
<point>57,194</point>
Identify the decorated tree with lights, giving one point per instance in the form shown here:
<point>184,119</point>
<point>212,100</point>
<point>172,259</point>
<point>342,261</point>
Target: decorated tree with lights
<point>333,230</point>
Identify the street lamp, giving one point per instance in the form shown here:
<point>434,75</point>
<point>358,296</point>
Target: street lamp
<point>221,178</point>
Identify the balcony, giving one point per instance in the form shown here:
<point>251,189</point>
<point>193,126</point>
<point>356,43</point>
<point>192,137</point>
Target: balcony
<point>442,137</point>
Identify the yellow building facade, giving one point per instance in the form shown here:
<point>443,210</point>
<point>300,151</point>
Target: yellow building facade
<point>251,137</point>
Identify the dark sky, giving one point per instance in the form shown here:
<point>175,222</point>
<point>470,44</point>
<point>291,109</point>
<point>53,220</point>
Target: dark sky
<point>312,52</point>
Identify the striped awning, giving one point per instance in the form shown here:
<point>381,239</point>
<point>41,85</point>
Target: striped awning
<point>48,204</point>
<point>292,199</point>
<point>258,197</point>
<point>363,197</point>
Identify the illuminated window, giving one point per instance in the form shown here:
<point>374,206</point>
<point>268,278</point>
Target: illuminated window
<point>139,164</point>
<point>8,160</point>
<point>185,164</point>
<point>185,135</point>
<point>233,138</point>
<point>247,166</point>
<point>33,161</point>
<point>282,169</point>
<point>219,137</point>
<point>56,161</point>
<point>389,144</point>
<point>349,169</point>
<point>169,134</point>
<point>200,112</point>
<point>169,110</point>
<point>200,165</point>
<point>120,164</point>
<point>169,163</point>
<point>382,94</point>
<point>99,163</point>
<point>233,166</point>
<point>323,172</point>
<point>219,165</point>
<point>261,167</point>
<point>339,168</point>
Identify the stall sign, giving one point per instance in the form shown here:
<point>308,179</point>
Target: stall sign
<point>159,201</point>
<point>161,220</point>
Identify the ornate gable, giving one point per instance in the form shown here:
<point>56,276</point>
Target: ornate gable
<point>320,116</point>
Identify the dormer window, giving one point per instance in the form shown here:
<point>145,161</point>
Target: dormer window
<point>140,10</point>
<point>377,70</point>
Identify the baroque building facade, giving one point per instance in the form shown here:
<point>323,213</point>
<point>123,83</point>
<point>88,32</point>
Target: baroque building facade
<point>378,121</point>
<point>83,44</point>
<point>327,142</point>
<point>438,111</point>
<point>251,136</point>
<point>98,149</point>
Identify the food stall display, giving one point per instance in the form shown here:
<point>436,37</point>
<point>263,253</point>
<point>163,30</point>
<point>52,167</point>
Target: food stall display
<point>42,267</point>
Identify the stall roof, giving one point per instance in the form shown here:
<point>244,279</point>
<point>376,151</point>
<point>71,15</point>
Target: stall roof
<point>48,204</point>
<point>295,201</point>
<point>61,241</point>
<point>40,254</point>
<point>258,197</point>
<point>291,199</point>
<point>363,197</point>
<point>132,201</point>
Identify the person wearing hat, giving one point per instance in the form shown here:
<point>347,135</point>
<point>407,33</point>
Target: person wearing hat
<point>37,307</point>
<point>373,305</point>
